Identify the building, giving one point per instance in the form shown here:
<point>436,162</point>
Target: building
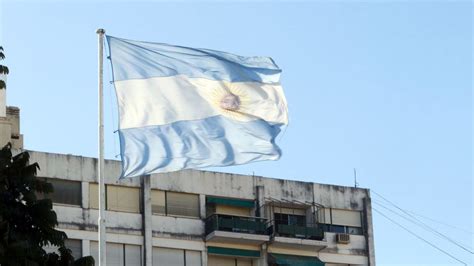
<point>198,217</point>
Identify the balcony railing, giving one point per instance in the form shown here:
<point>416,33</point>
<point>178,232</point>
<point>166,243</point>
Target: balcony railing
<point>238,224</point>
<point>307,231</point>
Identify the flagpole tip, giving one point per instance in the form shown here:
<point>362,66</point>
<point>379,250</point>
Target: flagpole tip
<point>100,31</point>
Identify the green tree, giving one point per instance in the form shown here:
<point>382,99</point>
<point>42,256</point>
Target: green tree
<point>26,223</point>
<point>3,70</point>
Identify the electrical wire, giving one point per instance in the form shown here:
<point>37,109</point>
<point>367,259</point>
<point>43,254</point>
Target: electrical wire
<point>440,222</point>
<point>419,237</point>
<point>426,227</point>
<point>425,217</point>
<point>422,224</point>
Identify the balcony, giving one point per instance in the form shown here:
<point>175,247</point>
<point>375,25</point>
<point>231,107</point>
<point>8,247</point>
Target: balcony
<point>308,236</point>
<point>236,229</point>
<point>308,231</point>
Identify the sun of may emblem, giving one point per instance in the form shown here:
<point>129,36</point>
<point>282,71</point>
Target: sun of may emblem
<point>231,100</point>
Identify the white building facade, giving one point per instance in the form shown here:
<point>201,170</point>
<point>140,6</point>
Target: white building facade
<point>204,218</point>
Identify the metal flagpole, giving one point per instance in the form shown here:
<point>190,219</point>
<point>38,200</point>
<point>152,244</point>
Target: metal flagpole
<point>101,221</point>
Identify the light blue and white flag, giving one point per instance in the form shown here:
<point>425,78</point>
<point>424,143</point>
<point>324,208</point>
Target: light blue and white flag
<point>183,107</point>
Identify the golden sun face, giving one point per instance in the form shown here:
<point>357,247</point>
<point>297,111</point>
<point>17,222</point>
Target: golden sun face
<point>231,100</point>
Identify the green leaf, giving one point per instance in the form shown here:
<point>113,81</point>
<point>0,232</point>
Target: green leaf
<point>4,69</point>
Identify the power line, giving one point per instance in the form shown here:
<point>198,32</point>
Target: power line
<point>442,223</point>
<point>424,225</point>
<point>427,228</point>
<point>419,237</point>
<point>430,219</point>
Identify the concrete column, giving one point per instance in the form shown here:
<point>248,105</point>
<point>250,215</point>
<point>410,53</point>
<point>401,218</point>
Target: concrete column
<point>369,233</point>
<point>147,220</point>
<point>202,206</point>
<point>86,247</point>
<point>204,257</point>
<point>260,201</point>
<point>202,213</point>
<point>85,194</point>
<point>263,256</point>
<point>3,98</point>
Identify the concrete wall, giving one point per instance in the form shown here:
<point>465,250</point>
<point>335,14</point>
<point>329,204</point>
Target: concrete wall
<point>169,231</point>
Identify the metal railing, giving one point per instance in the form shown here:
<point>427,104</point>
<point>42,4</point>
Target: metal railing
<point>239,224</point>
<point>307,231</point>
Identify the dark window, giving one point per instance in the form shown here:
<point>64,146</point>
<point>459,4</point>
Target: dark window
<point>342,229</point>
<point>354,230</point>
<point>65,192</point>
<point>338,228</point>
<point>290,219</point>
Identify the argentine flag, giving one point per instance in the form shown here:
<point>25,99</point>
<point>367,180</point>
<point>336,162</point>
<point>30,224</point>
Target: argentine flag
<point>183,107</point>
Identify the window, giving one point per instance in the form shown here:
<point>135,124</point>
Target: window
<point>114,254</point>
<point>118,198</point>
<point>193,258</point>
<point>354,230</point>
<point>133,255</point>
<point>158,201</point>
<point>341,221</point>
<point>75,245</point>
<point>168,256</point>
<point>119,254</point>
<point>175,203</point>
<point>232,210</point>
<point>220,261</point>
<point>244,262</point>
<point>65,192</point>
<point>290,219</point>
<point>176,257</point>
<point>182,204</point>
<point>226,261</point>
<point>346,217</point>
<point>337,228</point>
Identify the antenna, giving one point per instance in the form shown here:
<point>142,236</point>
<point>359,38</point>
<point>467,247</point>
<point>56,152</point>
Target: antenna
<point>356,184</point>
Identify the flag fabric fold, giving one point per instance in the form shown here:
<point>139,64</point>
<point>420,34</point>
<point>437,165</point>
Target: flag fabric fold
<point>183,107</point>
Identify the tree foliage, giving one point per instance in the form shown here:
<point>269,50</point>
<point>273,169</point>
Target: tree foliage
<point>3,70</point>
<point>26,223</point>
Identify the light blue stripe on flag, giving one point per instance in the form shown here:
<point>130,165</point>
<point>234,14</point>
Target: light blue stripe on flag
<point>214,141</point>
<point>138,60</point>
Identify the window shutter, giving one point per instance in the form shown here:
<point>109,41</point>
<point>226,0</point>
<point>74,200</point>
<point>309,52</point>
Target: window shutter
<point>182,204</point>
<point>158,201</point>
<point>125,199</point>
<point>193,258</point>
<point>168,256</point>
<point>132,255</point>
<point>75,245</point>
<point>220,261</point>
<point>346,217</point>
<point>114,253</point>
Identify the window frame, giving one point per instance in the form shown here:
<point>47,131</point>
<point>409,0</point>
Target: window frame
<point>50,180</point>
<point>167,213</point>
<point>140,199</point>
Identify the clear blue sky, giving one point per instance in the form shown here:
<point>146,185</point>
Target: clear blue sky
<point>381,87</point>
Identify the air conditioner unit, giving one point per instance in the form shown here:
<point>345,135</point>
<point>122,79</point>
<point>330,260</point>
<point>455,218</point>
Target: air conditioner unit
<point>343,238</point>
